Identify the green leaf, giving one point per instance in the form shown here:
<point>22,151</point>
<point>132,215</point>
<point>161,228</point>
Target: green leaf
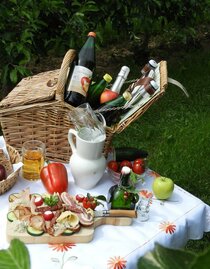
<point>13,75</point>
<point>165,258</point>
<point>15,257</point>
<point>202,261</point>
<point>51,200</point>
<point>101,197</point>
<point>133,178</point>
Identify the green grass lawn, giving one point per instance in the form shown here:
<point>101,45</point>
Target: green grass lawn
<point>176,130</point>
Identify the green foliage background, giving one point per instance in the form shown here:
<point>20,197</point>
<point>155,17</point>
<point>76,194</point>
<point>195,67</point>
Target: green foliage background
<point>31,29</point>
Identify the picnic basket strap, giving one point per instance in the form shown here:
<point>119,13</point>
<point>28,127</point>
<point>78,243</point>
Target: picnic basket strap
<point>67,61</point>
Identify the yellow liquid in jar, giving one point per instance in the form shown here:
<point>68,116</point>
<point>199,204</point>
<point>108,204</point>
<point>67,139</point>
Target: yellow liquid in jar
<point>33,161</point>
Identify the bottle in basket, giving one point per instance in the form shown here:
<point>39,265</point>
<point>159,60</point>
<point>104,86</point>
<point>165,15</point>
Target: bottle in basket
<point>114,108</point>
<point>141,92</point>
<point>151,65</point>
<point>121,196</point>
<point>79,80</point>
<point>114,91</point>
<point>96,89</point>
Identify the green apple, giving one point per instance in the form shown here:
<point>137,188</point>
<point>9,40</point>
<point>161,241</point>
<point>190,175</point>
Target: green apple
<point>163,187</point>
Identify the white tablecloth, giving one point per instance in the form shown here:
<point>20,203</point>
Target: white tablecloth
<point>171,223</point>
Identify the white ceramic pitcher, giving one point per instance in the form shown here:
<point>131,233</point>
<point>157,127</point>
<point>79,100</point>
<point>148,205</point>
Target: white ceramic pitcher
<point>87,162</point>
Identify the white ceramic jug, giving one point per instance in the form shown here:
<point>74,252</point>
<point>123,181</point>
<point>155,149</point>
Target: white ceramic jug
<point>87,162</point>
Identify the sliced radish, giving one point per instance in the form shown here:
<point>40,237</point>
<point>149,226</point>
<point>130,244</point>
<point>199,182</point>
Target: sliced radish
<point>38,201</point>
<point>48,215</point>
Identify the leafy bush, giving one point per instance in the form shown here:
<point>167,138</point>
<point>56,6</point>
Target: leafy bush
<point>31,29</point>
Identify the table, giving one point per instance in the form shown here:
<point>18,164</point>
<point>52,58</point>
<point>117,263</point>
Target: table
<point>171,223</point>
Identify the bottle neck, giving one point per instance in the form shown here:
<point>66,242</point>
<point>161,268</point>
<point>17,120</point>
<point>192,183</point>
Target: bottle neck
<point>116,87</point>
<point>121,77</point>
<point>125,176</point>
<point>124,180</point>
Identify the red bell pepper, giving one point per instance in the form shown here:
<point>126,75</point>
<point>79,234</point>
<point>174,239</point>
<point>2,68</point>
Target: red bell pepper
<point>54,177</point>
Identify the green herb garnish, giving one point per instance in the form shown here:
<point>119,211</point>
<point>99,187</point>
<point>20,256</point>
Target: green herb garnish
<point>51,200</point>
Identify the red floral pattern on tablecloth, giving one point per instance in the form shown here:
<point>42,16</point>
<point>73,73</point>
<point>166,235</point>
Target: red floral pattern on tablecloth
<point>167,227</point>
<point>62,247</point>
<point>147,194</point>
<point>117,263</point>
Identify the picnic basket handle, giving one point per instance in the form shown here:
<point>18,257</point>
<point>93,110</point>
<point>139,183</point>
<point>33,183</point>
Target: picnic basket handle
<point>67,61</point>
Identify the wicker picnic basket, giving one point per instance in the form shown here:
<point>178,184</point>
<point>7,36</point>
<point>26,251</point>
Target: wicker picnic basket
<point>35,109</point>
<point>12,176</point>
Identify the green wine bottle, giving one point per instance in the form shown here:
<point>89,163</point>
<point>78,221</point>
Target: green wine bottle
<point>113,109</point>
<point>95,90</point>
<point>121,196</point>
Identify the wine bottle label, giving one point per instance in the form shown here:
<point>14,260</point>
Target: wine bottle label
<point>80,80</point>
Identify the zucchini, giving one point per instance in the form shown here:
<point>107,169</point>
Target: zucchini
<point>67,232</point>
<point>11,216</point>
<point>129,153</point>
<point>34,232</point>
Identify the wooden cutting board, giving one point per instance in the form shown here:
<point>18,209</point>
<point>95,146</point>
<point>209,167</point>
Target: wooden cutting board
<point>85,234</point>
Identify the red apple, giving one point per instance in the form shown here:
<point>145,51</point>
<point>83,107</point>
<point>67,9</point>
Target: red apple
<point>162,187</point>
<point>2,172</point>
<point>108,95</point>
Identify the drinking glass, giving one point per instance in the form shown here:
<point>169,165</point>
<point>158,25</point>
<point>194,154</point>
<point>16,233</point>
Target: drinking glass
<point>142,208</point>
<point>89,125</point>
<point>33,155</point>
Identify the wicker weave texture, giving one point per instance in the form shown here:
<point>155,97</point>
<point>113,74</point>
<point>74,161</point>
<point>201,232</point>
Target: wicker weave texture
<point>12,177</point>
<point>48,119</point>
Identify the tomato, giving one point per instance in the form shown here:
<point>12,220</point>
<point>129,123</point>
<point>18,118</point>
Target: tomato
<point>125,163</point>
<point>89,202</point>
<point>139,161</point>
<point>38,201</point>
<point>48,215</point>
<point>113,165</point>
<point>139,166</point>
<point>80,197</point>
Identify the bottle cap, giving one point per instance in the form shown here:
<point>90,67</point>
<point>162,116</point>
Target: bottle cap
<point>93,34</point>
<point>107,77</point>
<point>127,95</point>
<point>153,63</point>
<point>151,87</point>
<point>125,170</point>
<point>154,84</point>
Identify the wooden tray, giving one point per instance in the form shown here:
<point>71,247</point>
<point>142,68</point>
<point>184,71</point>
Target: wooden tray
<point>85,234</point>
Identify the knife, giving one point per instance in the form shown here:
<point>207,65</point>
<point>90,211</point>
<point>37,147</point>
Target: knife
<point>116,213</point>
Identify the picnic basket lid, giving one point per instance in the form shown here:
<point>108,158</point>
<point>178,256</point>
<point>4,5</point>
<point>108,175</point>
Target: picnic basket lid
<point>43,87</point>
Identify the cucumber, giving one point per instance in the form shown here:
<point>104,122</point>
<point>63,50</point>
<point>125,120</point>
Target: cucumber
<point>34,232</point>
<point>13,196</point>
<point>67,232</point>
<point>36,195</point>
<point>11,216</point>
<point>129,153</point>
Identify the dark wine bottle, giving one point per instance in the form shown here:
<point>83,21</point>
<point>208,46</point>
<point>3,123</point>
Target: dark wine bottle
<point>79,79</point>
